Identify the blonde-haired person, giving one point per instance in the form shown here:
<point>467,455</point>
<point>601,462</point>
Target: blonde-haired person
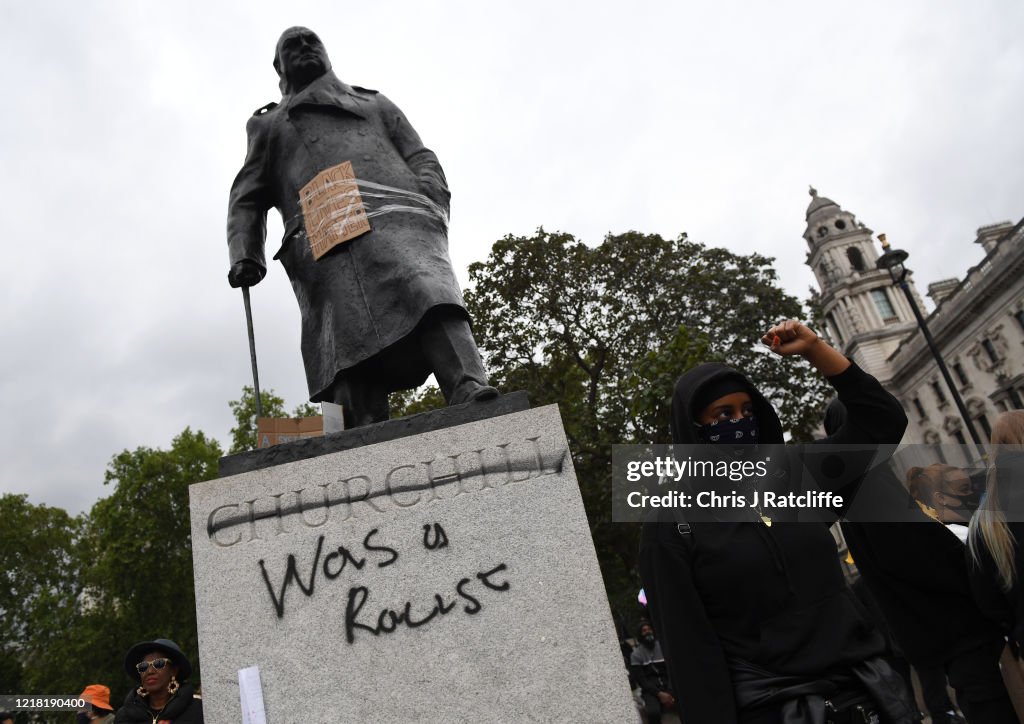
<point>997,530</point>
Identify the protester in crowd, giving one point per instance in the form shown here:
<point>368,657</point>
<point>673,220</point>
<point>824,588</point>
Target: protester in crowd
<point>893,653</point>
<point>97,705</point>
<point>6,717</point>
<point>916,573</point>
<point>162,670</point>
<point>919,485</point>
<point>651,674</point>
<point>947,493</point>
<point>997,531</point>
<point>755,618</point>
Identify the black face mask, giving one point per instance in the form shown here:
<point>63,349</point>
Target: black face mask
<point>647,640</point>
<point>82,718</point>
<point>731,432</point>
<point>970,502</point>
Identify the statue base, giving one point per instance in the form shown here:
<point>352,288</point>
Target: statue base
<point>447,575</point>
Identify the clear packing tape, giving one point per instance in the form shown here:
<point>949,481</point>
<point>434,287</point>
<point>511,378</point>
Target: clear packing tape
<point>338,207</point>
<point>394,200</point>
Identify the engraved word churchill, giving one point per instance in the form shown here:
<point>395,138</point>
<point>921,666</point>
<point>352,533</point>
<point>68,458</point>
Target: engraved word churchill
<point>406,485</point>
<point>387,620</point>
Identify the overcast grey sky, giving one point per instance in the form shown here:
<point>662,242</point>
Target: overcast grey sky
<point>124,127</point>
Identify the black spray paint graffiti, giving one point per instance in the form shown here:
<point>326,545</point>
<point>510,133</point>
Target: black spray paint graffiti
<point>344,554</point>
<point>387,620</point>
<point>440,540</point>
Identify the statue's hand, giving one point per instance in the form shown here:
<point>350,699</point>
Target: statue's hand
<point>245,273</point>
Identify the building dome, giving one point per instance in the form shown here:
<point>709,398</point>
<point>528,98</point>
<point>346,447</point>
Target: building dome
<point>820,206</point>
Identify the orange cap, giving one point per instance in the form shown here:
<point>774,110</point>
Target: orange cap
<point>98,695</point>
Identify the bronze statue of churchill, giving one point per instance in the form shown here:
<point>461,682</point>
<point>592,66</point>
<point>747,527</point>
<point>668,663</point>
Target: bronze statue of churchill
<point>384,310</point>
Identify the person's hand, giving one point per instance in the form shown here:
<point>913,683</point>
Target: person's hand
<point>789,338</point>
<point>665,698</point>
<point>245,273</point>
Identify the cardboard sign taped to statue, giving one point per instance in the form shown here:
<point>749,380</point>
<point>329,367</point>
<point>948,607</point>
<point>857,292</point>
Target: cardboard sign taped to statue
<point>333,209</point>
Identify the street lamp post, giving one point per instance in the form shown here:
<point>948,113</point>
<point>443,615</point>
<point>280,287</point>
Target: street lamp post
<point>892,261</point>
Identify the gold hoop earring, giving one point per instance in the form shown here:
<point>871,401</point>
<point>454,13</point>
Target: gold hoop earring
<point>173,686</point>
<point>142,692</point>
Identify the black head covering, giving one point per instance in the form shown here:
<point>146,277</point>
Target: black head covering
<point>170,649</point>
<point>690,391</point>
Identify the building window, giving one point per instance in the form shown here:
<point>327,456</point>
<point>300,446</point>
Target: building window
<point>983,421</point>
<point>919,407</point>
<point>1019,316</point>
<point>990,349</point>
<point>1015,399</point>
<point>939,394</point>
<point>856,260</point>
<point>885,309</point>
<point>960,374</point>
<point>834,328</point>
<point>1001,406</point>
<point>959,437</point>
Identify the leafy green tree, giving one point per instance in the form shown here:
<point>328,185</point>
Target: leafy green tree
<point>411,402</point>
<point>39,574</point>
<point>135,573</point>
<point>75,593</point>
<point>605,331</point>
<point>549,296</point>
<point>243,434</point>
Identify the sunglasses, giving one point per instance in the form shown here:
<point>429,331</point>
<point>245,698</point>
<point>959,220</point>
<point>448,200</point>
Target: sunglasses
<point>143,666</point>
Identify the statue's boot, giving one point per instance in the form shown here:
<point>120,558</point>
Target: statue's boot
<point>447,342</point>
<point>473,391</point>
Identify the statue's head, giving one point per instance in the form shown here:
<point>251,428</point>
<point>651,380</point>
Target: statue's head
<point>300,59</point>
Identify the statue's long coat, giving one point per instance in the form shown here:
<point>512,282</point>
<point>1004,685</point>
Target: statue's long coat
<point>368,294</point>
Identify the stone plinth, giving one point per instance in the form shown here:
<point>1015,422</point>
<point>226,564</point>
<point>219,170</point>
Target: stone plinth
<point>447,576</point>
<point>370,434</point>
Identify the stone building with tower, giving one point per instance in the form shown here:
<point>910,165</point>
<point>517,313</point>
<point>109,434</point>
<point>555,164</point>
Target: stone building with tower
<point>977,322</point>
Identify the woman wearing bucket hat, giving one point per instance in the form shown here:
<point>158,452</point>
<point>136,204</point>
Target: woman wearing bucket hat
<point>161,668</point>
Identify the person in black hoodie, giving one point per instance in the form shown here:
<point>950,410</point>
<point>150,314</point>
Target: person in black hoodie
<point>161,669</point>
<point>916,570</point>
<point>755,618</point>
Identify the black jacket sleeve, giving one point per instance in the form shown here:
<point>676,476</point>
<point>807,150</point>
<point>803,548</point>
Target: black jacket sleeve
<point>841,462</point>
<point>646,683</point>
<point>874,416</point>
<point>696,663</point>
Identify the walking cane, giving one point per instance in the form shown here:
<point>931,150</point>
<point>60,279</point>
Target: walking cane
<point>252,351</point>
